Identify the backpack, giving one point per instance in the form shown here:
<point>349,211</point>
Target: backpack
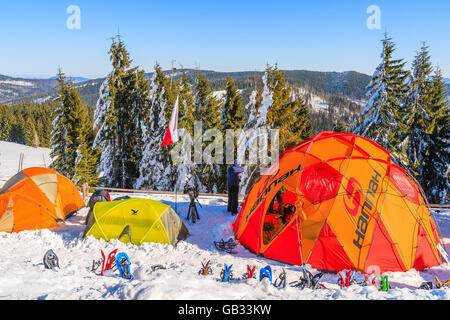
<point>97,196</point>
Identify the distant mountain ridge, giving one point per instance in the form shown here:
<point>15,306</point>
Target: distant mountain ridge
<point>350,84</point>
<point>17,88</point>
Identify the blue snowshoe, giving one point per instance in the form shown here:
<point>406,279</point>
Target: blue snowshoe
<point>265,273</point>
<point>226,275</point>
<point>123,264</point>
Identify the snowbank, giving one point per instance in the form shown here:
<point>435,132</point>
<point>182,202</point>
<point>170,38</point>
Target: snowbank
<point>24,277</point>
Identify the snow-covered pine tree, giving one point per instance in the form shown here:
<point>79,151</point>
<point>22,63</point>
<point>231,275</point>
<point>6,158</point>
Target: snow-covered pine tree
<point>256,110</point>
<point>381,121</point>
<point>104,125</point>
<point>69,129</point>
<point>130,103</point>
<point>123,95</point>
<point>58,140</point>
<point>206,110</point>
<point>155,167</point>
<point>416,112</point>
<point>276,107</point>
<point>436,168</point>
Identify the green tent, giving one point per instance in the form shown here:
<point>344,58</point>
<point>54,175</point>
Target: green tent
<point>135,220</point>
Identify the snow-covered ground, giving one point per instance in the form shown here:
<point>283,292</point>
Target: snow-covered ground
<point>23,275</point>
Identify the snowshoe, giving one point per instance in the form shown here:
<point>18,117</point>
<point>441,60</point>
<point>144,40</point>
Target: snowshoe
<point>51,260</point>
<point>280,282</point>
<point>226,246</point>
<point>369,280</point>
<point>158,267</point>
<point>265,273</point>
<point>110,262</point>
<point>439,284</point>
<point>205,270</point>
<point>426,285</point>
<point>383,283</point>
<point>123,264</point>
<point>346,278</point>
<point>226,274</point>
<point>250,273</point>
<point>95,265</point>
<point>308,281</point>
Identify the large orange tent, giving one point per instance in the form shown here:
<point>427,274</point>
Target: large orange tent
<point>37,198</point>
<point>338,201</point>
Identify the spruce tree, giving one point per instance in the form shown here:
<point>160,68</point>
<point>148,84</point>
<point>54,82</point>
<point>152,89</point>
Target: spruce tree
<point>131,101</point>
<point>59,140</point>
<point>46,127</point>
<point>18,128</point>
<point>31,136</point>
<point>70,132</point>
<point>417,111</point>
<point>300,127</point>
<point>206,110</point>
<point>86,163</point>
<point>156,170</point>
<point>382,118</point>
<point>260,101</point>
<point>6,122</point>
<point>233,115</point>
<point>286,113</point>
<point>245,152</point>
<point>233,108</point>
<point>118,113</point>
<point>436,169</point>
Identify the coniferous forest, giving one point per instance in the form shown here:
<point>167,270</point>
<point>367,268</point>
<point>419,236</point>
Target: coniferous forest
<point>117,142</point>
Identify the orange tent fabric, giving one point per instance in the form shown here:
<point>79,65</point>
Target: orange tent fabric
<point>349,206</point>
<point>37,198</point>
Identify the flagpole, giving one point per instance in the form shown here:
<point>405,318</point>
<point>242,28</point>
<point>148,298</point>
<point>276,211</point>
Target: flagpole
<point>171,137</point>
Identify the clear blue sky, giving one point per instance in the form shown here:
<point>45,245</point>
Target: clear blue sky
<point>217,35</point>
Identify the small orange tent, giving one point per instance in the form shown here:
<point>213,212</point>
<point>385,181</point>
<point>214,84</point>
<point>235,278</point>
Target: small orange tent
<point>37,198</point>
<point>338,201</point>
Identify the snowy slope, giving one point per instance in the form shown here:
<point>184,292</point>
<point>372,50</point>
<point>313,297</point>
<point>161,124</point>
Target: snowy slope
<point>23,275</point>
<point>10,155</point>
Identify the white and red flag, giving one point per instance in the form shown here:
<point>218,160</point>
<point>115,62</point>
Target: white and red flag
<point>172,131</point>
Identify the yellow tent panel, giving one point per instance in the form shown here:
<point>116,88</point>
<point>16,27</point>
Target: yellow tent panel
<point>136,220</point>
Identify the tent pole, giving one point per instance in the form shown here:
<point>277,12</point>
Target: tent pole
<point>176,194</point>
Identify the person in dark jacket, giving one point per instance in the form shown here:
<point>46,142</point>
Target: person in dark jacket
<point>233,181</point>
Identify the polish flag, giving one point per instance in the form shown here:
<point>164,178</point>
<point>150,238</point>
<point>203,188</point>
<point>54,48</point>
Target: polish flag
<point>172,131</point>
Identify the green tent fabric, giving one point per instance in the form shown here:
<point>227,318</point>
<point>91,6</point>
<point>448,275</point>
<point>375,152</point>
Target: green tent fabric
<point>135,220</point>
